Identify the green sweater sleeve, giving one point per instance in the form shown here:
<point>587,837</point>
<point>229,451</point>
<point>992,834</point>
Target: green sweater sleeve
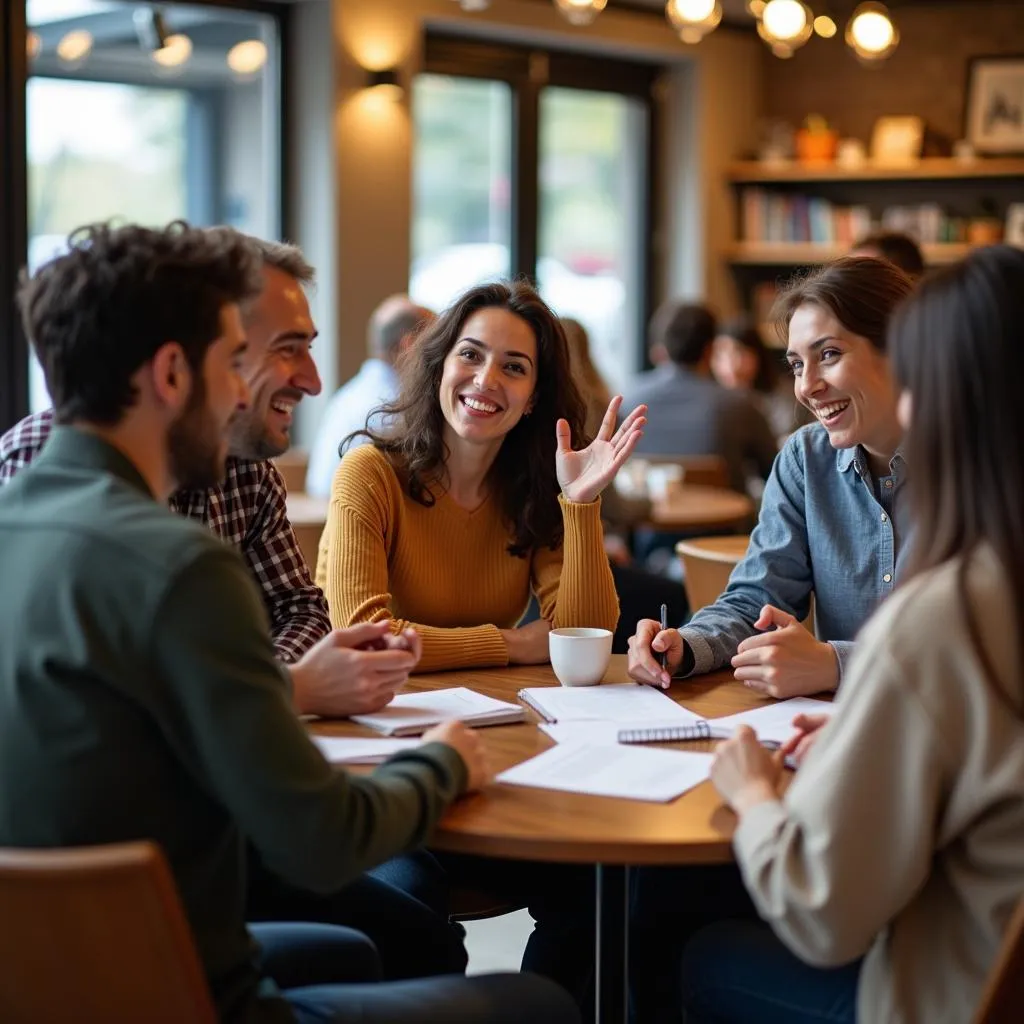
<point>227,713</point>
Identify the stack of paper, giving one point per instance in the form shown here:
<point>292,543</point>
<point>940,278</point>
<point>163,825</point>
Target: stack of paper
<point>410,714</point>
<point>635,773</point>
<point>355,750</point>
<point>612,702</point>
<point>773,723</point>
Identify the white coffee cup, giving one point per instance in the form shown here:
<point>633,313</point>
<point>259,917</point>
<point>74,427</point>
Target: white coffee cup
<point>580,655</point>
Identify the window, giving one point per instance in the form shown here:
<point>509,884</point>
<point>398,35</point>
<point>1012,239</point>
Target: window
<point>118,126</point>
<point>537,163</point>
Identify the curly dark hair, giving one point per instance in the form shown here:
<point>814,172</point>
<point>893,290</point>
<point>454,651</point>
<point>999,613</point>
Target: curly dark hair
<point>523,475</point>
<point>102,310</point>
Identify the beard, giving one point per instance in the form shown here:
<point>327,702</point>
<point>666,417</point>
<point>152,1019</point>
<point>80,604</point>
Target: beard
<point>194,445</point>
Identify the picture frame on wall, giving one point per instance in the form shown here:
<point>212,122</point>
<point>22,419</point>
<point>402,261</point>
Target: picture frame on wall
<point>994,107</point>
<point>897,139</point>
<point>1014,231</point>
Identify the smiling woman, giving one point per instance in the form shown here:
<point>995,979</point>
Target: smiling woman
<point>475,497</point>
<point>833,520</point>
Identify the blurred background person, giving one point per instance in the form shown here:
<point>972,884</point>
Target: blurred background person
<point>895,247</point>
<point>637,588</point>
<point>393,324</point>
<point>740,361</point>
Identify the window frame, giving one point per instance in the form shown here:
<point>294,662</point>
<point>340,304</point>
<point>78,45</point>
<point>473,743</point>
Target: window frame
<point>527,70</point>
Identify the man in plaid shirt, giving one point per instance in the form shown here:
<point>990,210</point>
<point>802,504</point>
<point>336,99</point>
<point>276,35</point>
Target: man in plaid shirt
<point>401,905</point>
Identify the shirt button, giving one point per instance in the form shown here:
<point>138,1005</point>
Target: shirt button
<point>887,577</point>
<point>888,483</point>
<point>885,518</point>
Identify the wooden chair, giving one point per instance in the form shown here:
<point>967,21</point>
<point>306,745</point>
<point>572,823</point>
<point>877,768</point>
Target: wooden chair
<point>1003,997</point>
<point>96,934</point>
<point>707,563</point>
<point>292,466</point>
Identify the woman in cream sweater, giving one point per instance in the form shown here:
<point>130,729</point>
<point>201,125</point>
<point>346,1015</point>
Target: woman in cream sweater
<point>890,868</point>
<point>474,497</point>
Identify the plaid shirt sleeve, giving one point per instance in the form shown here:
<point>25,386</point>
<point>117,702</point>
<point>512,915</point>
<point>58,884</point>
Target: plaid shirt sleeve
<point>22,443</point>
<point>295,604</point>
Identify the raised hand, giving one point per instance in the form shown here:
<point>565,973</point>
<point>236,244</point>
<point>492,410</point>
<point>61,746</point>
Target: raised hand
<point>583,475</point>
<point>785,660</point>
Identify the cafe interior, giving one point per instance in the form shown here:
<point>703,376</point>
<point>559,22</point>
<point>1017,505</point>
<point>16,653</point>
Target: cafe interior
<point>624,157</point>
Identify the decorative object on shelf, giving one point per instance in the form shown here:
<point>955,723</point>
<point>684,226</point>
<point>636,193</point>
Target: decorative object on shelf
<point>580,12</point>
<point>693,19</point>
<point>816,143</point>
<point>777,145</point>
<point>897,140</point>
<point>785,25</point>
<point>995,104</point>
<point>850,154</point>
<point>964,151</point>
<point>1014,231</point>
<point>984,231</point>
<point>871,32</point>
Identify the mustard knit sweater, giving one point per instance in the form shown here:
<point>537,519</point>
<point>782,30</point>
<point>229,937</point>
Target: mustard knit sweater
<point>447,572</point>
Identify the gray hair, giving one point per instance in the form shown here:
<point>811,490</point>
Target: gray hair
<point>287,258</point>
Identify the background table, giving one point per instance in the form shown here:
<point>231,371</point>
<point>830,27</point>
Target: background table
<point>692,508</point>
<point>613,834</point>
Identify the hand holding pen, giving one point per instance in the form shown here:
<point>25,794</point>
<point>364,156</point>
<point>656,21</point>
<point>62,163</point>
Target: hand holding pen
<point>655,652</point>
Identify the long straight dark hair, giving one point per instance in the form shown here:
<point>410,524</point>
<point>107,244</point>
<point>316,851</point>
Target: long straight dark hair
<point>523,475</point>
<point>958,349</point>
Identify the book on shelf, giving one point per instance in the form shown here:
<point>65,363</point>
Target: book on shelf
<point>783,217</point>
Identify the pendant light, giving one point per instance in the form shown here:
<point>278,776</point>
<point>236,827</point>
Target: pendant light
<point>693,19</point>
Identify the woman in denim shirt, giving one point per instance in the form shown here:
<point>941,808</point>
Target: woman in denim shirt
<point>832,523</point>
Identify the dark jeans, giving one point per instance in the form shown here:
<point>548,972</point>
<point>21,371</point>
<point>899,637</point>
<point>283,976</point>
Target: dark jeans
<point>402,906</point>
<point>317,968</point>
<point>668,905</point>
<point>740,973</point>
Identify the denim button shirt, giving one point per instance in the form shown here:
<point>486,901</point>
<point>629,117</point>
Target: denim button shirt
<point>822,528</point>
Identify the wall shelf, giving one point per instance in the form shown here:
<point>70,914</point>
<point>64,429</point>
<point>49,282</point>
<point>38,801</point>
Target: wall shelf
<point>783,254</point>
<point>752,172</point>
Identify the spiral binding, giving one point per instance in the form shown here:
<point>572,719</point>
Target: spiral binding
<point>666,734</point>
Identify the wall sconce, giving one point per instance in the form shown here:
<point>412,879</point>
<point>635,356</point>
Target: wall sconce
<point>385,83</point>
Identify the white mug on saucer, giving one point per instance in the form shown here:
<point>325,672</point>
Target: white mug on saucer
<point>580,655</point>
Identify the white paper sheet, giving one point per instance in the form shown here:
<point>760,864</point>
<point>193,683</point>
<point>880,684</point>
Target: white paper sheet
<point>773,723</point>
<point>361,750</point>
<point>411,713</point>
<point>612,702</point>
<point>635,773</point>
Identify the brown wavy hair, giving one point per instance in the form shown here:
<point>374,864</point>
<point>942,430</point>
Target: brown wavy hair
<point>956,347</point>
<point>523,475</point>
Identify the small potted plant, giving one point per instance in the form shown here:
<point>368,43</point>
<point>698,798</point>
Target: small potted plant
<point>816,142</point>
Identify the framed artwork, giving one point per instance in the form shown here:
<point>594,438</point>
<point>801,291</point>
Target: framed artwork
<point>1014,231</point>
<point>897,140</point>
<point>994,109</point>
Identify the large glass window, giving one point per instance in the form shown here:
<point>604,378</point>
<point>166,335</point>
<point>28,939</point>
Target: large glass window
<point>590,261</point>
<point>461,230</point>
<point>537,163</point>
<point>146,114</point>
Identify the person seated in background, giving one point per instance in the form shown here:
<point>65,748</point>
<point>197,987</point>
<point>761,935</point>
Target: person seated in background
<point>332,673</point>
<point>137,672</point>
<point>638,589</point>
<point>890,868</point>
<point>740,361</point>
<point>247,508</point>
<point>472,496</point>
<point>690,414</point>
<point>895,247</point>
<point>392,327</point>
<point>832,522</point>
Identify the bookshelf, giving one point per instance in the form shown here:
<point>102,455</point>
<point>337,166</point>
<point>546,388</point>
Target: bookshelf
<point>790,215</point>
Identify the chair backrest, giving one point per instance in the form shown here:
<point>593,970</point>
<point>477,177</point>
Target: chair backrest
<point>292,465</point>
<point>1003,997</point>
<point>707,564</point>
<point>96,934</point>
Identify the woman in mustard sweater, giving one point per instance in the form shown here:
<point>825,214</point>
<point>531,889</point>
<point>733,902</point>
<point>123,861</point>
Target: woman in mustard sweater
<point>473,497</point>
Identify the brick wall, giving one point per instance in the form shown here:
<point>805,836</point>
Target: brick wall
<point>926,75</point>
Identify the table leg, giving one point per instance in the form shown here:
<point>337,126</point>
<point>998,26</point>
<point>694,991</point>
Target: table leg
<point>612,952</point>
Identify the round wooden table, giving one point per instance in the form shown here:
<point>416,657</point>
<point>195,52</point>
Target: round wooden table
<point>691,508</point>
<point>521,823</point>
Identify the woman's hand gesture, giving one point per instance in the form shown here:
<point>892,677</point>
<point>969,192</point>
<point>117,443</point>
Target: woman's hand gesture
<point>583,475</point>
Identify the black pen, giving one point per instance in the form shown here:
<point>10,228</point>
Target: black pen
<point>663,657</point>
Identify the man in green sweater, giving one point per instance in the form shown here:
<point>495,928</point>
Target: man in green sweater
<point>137,673</point>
